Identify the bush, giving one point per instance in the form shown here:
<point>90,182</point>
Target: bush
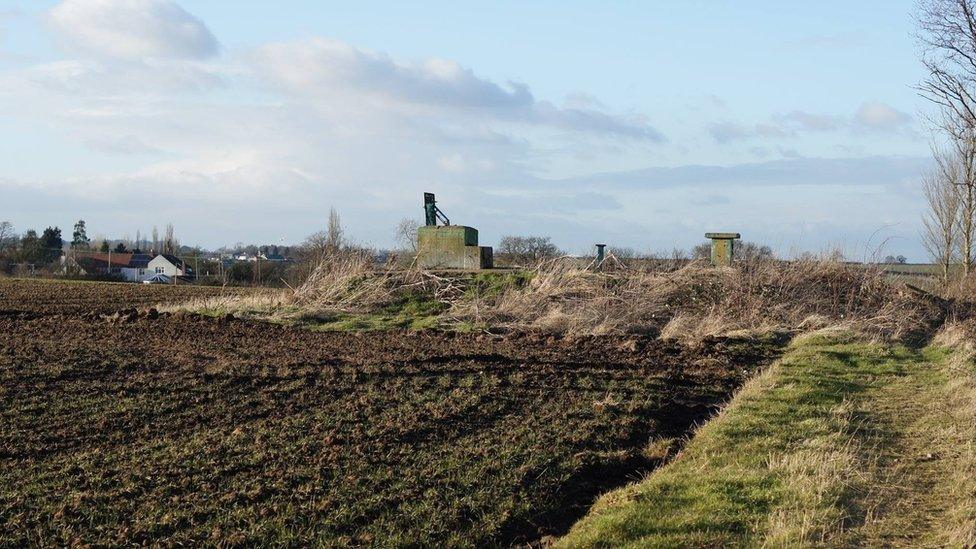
<point>526,250</point>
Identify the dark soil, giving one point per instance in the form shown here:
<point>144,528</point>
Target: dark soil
<point>129,429</point>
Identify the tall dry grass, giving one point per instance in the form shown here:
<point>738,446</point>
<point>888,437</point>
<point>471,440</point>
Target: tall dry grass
<point>682,301</point>
<point>349,281</point>
<point>698,300</point>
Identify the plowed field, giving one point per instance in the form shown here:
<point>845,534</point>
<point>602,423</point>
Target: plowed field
<point>187,430</point>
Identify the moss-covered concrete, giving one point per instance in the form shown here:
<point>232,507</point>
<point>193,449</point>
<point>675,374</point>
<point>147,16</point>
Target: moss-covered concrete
<point>451,247</point>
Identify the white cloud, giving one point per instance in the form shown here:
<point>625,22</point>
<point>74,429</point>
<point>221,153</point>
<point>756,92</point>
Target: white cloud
<point>726,131</point>
<point>812,122</point>
<point>134,29</point>
<point>880,116</point>
<point>332,70</point>
<point>871,116</point>
<point>148,76</point>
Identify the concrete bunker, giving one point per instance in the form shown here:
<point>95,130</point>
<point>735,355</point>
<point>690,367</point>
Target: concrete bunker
<point>449,246</point>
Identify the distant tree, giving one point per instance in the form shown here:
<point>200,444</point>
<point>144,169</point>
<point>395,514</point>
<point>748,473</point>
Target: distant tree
<point>155,237</point>
<point>120,248</point>
<point>322,243</point>
<point>104,248</point>
<point>52,244</point>
<point>334,234</point>
<point>750,251</point>
<point>702,251</point>
<point>79,237</point>
<point>170,244</point>
<point>623,252</point>
<point>406,234</point>
<point>527,249</point>
<point>8,238</point>
<point>30,247</point>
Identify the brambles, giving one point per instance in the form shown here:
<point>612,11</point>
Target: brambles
<point>696,301</point>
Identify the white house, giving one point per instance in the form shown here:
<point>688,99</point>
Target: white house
<point>169,265</point>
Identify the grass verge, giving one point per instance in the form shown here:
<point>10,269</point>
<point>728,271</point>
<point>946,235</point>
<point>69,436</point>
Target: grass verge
<point>840,442</point>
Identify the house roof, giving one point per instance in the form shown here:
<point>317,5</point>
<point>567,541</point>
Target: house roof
<point>140,261</point>
<point>175,261</point>
<point>102,259</point>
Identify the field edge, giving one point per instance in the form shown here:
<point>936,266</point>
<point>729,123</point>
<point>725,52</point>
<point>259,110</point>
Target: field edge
<point>798,455</point>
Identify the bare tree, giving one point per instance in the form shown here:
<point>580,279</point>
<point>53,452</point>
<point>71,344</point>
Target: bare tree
<point>7,236</point>
<point>406,234</point>
<point>155,236</point>
<point>940,226</point>
<point>320,244</point>
<point>333,233</point>
<point>623,252</point>
<point>960,168</point>
<point>956,166</point>
<point>527,249</point>
<point>170,243</point>
<point>947,33</point>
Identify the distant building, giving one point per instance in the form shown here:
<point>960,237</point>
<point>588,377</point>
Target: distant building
<point>169,265</point>
<point>127,266</point>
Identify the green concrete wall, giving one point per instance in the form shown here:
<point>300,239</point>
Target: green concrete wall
<point>451,247</point>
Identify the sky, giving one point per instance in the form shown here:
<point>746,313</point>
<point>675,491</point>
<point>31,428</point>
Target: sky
<point>637,124</point>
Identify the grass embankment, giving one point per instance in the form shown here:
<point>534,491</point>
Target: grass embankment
<point>413,306</point>
<point>841,442</point>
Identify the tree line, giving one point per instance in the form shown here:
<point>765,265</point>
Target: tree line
<point>40,251</point>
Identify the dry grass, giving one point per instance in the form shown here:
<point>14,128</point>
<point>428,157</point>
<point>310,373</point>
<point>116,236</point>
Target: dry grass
<point>242,305</point>
<point>564,297</point>
<point>698,300</point>
<point>819,473</point>
<point>956,429</point>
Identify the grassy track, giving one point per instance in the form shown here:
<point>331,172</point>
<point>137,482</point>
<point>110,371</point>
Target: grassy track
<point>839,443</point>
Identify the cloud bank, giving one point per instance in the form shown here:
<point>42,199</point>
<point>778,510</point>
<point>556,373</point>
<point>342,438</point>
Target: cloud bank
<point>327,69</point>
<point>152,120</point>
<point>134,29</point>
<point>871,116</point>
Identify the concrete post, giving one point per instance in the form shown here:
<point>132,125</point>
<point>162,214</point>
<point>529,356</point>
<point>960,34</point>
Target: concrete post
<point>722,247</point>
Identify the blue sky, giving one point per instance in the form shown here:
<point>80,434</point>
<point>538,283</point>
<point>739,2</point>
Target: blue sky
<point>638,124</point>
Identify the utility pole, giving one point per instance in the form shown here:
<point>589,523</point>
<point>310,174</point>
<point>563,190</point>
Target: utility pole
<point>110,261</point>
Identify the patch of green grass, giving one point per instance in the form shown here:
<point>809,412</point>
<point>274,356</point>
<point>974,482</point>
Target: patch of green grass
<point>776,467</point>
<point>414,311</point>
<point>492,284</point>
